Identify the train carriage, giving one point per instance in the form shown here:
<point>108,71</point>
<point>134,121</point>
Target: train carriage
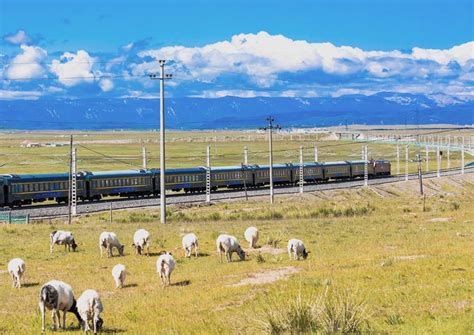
<point>186,179</point>
<point>336,170</point>
<point>358,168</point>
<point>282,174</point>
<point>382,168</point>
<point>125,183</point>
<point>312,172</point>
<point>27,189</point>
<point>232,176</point>
<point>3,191</point>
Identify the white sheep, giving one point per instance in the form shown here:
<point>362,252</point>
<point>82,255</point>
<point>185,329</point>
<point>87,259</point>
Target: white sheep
<point>141,239</point>
<point>228,244</point>
<point>108,240</point>
<point>251,236</point>
<point>89,307</point>
<point>165,266</point>
<point>296,249</point>
<point>61,237</point>
<point>189,241</point>
<point>16,268</point>
<point>119,272</point>
<point>57,296</point>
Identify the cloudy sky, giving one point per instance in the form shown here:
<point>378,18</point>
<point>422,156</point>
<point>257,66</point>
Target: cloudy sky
<point>81,49</point>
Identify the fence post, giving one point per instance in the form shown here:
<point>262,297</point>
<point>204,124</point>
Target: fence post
<point>315,153</point>
<point>110,216</point>
<point>27,218</point>
<point>462,156</point>
<point>10,216</point>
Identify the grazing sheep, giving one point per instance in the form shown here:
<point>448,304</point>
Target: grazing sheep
<point>89,307</point>
<point>141,239</point>
<point>228,244</point>
<point>119,272</point>
<point>16,268</point>
<point>296,249</point>
<point>165,266</point>
<point>62,238</point>
<point>251,236</point>
<point>108,240</point>
<point>57,296</point>
<point>189,241</point>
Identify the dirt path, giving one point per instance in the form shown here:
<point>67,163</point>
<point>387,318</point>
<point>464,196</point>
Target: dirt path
<point>268,276</point>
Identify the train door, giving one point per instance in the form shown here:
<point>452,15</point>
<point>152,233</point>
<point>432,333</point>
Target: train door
<point>88,189</point>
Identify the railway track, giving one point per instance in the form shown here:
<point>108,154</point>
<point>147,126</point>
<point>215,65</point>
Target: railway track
<point>54,211</point>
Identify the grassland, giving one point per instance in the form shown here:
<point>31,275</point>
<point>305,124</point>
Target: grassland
<point>99,151</point>
<point>411,268</point>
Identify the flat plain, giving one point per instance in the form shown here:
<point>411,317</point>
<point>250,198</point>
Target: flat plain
<point>408,269</point>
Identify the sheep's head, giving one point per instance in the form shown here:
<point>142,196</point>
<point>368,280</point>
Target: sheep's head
<point>120,249</point>
<point>99,323</point>
<point>73,245</point>
<point>138,248</point>
<point>241,254</point>
<point>305,253</point>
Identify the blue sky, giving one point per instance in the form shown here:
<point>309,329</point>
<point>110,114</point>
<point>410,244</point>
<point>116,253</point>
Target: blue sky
<point>245,48</point>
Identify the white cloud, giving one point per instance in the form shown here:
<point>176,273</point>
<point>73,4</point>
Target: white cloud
<point>20,37</point>
<point>106,84</point>
<point>27,64</point>
<point>461,54</point>
<point>19,95</point>
<point>261,57</point>
<point>73,69</point>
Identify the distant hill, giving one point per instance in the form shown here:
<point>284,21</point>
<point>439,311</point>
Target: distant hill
<point>234,112</point>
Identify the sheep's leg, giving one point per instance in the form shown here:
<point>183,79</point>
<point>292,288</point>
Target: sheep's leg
<point>13,280</point>
<point>196,250</point>
<point>100,248</point>
<point>169,278</point>
<point>95,320</point>
<point>51,248</point>
<point>109,251</point>
<point>229,256</point>
<point>18,281</point>
<point>41,306</point>
<point>54,317</point>
<point>64,319</point>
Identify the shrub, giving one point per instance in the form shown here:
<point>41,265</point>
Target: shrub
<point>259,258</point>
<point>455,205</point>
<point>394,319</point>
<point>330,312</point>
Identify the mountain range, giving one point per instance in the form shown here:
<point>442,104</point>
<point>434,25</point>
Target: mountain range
<point>234,112</point>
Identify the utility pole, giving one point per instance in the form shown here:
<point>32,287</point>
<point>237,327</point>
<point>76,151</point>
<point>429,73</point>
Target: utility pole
<point>162,78</point>
<point>406,163</point>
<point>301,170</point>
<point>208,174</point>
<point>270,128</point>
<point>366,167</point>
<point>448,152</point>
<point>246,155</point>
<point>69,195</point>
<point>144,158</point>
<point>244,175</point>
<point>420,174</point>
<point>438,162</point>
<point>398,160</point>
<point>427,152</point>
<point>462,156</point>
<point>316,153</point>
